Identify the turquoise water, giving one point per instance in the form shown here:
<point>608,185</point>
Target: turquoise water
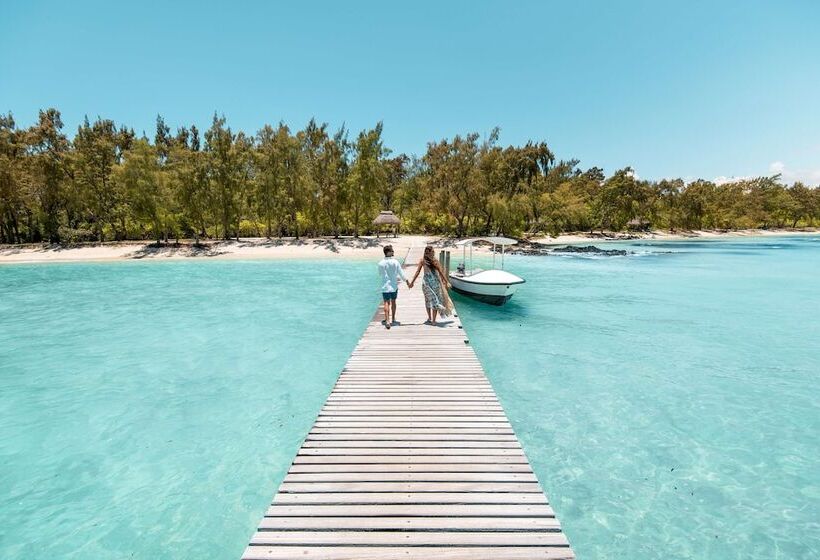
<point>149,410</point>
<point>669,401</point>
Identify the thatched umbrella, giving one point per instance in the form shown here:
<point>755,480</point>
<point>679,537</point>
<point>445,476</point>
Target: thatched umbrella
<point>386,218</point>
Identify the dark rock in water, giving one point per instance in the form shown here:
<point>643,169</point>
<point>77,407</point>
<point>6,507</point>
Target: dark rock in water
<point>590,249</point>
<point>535,248</point>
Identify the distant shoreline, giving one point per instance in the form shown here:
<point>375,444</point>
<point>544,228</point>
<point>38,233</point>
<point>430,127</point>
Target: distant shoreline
<point>345,248</point>
<point>658,235</point>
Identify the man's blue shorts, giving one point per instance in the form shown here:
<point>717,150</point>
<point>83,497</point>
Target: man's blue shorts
<point>390,296</point>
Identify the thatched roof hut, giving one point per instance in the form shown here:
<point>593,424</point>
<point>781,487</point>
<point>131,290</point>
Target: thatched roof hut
<point>386,218</point>
<point>638,224</point>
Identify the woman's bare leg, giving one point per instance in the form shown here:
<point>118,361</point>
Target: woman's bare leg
<point>435,312</point>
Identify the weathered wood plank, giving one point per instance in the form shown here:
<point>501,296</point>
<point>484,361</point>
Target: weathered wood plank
<point>406,553</point>
<point>403,443</point>
<point>426,486</point>
<point>347,397</point>
<point>408,538</point>
<point>407,459</point>
<point>412,498</point>
<point>295,477</point>
<point>414,510</point>
<point>409,451</point>
<point>402,466</point>
<point>410,523</point>
<point>451,418</point>
<point>420,431</point>
<point>373,436</point>
<point>412,424</point>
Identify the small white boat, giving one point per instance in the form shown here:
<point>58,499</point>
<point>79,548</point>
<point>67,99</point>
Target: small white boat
<point>495,286</point>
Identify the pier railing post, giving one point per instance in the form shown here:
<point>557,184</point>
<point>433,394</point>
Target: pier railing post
<point>444,259</point>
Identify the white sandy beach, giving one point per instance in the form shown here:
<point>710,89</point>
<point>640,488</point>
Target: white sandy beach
<point>586,237</point>
<point>324,248</point>
<point>245,248</point>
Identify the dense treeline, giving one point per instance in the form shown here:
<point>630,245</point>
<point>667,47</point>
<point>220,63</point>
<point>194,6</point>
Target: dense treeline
<point>108,184</point>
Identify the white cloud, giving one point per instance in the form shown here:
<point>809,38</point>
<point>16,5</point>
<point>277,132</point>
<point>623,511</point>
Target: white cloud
<point>807,176</point>
<point>810,177</point>
<point>723,179</point>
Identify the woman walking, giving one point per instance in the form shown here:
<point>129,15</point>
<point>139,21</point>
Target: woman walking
<point>434,286</point>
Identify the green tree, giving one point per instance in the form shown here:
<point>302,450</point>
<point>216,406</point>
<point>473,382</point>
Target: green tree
<point>269,184</point>
<point>804,207</point>
<point>452,177</point>
<point>367,176</point>
<point>314,139</point>
<point>162,139</point>
<point>243,156</point>
<point>695,204</point>
<point>49,147</point>
<point>188,175</point>
<point>279,184</point>
<point>334,172</point>
<point>621,199</point>
<point>99,148</point>
<point>146,188</point>
<point>13,180</point>
<point>223,168</point>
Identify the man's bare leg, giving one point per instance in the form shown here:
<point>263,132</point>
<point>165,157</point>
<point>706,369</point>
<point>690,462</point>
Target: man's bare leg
<point>387,313</point>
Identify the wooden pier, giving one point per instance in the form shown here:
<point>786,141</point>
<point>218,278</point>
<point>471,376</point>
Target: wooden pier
<point>411,457</point>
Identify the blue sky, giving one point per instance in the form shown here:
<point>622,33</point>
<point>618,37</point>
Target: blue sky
<point>674,89</point>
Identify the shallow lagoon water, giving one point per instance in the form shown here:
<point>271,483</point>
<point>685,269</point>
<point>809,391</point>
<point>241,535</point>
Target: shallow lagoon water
<point>667,400</point>
<point>149,410</point>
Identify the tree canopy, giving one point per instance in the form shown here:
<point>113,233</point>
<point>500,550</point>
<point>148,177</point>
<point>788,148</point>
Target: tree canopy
<point>105,183</point>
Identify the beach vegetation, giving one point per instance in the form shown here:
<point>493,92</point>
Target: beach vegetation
<point>105,183</point>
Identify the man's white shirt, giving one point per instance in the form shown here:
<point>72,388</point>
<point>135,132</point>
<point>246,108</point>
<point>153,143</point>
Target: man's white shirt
<point>390,270</point>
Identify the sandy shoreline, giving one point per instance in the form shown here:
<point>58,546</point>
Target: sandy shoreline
<point>245,248</point>
<point>575,238</point>
<point>324,248</point>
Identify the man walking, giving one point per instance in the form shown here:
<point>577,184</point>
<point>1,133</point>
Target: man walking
<point>390,271</point>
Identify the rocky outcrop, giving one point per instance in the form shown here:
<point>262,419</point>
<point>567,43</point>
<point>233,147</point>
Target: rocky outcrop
<point>591,249</point>
<point>531,248</point>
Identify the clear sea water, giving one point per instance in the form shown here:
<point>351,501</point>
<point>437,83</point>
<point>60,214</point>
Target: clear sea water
<point>668,400</point>
<point>149,410</point>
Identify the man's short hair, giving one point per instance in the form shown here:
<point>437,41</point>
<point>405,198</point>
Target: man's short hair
<point>388,249</point>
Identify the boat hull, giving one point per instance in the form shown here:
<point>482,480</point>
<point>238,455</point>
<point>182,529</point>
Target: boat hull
<point>494,293</point>
<point>484,298</point>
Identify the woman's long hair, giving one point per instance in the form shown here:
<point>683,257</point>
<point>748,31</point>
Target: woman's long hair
<point>433,264</point>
